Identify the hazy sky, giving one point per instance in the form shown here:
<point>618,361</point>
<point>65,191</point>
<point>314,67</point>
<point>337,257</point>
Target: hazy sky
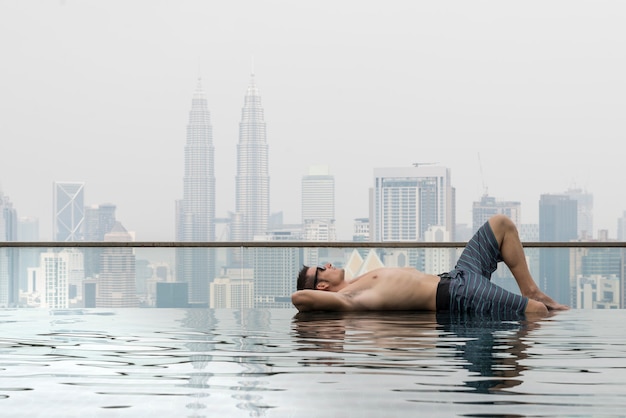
<point>534,92</point>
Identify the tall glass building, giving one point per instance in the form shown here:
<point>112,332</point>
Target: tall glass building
<point>195,212</point>
<point>69,210</point>
<point>558,221</point>
<point>252,182</point>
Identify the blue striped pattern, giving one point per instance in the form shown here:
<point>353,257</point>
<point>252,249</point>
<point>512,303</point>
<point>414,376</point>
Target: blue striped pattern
<point>471,289</point>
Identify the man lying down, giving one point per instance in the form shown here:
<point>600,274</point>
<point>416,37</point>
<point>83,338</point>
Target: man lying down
<point>466,289</point>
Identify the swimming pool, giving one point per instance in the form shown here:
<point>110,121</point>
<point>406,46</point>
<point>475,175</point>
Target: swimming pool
<point>274,363</point>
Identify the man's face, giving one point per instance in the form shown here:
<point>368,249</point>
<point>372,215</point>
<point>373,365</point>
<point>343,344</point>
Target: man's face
<point>326,276</point>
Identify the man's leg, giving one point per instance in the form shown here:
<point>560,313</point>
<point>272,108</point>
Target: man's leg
<point>513,256</point>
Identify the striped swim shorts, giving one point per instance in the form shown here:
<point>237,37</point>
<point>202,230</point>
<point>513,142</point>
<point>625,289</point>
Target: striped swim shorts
<point>470,288</point>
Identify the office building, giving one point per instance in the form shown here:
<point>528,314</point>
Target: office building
<point>318,194</point>
<point>275,269</point>
<point>195,212</point>
<point>557,223</point>
<point>318,209</point>
<point>439,260</point>
<point>252,183</point>
<point>69,210</point>
<point>597,292</point>
<point>99,220</point>
<point>584,215</point>
<point>407,201</point>
<point>234,289</point>
<point>116,286</point>
<point>489,206</point>
<point>590,262</point>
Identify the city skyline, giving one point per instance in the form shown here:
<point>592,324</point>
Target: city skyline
<point>519,101</point>
<point>586,211</point>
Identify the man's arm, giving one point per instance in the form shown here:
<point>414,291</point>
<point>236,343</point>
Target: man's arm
<point>319,300</point>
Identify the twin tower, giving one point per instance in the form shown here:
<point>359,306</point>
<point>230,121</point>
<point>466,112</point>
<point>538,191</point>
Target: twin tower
<point>195,212</point>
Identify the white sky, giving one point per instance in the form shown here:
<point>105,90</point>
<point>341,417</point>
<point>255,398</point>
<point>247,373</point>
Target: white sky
<point>100,91</point>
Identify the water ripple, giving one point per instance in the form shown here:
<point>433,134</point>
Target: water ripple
<point>182,362</point>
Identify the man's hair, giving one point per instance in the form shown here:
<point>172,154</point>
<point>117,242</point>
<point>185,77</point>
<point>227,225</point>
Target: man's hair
<point>302,278</point>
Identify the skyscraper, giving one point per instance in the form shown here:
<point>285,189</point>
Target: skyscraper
<point>489,206</point>
<point>584,202</point>
<point>9,259</point>
<point>318,194</point>
<point>116,286</point>
<point>99,220</point>
<point>195,213</point>
<point>557,222</point>
<point>407,201</point>
<point>69,210</point>
<point>252,183</point>
<point>318,210</point>
<point>275,269</point>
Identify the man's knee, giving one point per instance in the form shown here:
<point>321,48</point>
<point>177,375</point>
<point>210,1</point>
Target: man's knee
<point>501,223</point>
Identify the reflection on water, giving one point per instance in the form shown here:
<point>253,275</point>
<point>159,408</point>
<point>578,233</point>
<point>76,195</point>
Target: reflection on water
<point>489,348</point>
<point>217,363</point>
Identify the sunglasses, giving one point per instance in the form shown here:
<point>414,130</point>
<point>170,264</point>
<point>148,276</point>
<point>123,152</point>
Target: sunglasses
<point>317,269</point>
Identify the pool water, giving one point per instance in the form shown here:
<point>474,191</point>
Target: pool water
<point>275,363</point>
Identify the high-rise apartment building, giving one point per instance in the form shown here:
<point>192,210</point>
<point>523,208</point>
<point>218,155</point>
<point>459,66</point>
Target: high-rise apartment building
<point>252,183</point>
<point>50,284</point>
<point>9,257</point>
<point>195,212</point>
<point>557,223</point>
<point>69,210</point>
<point>318,209</point>
<point>52,281</point>
<point>407,201</point>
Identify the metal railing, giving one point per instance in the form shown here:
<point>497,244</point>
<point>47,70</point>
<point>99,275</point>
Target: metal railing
<point>292,244</point>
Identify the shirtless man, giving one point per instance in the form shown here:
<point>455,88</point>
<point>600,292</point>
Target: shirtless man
<point>467,288</point>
